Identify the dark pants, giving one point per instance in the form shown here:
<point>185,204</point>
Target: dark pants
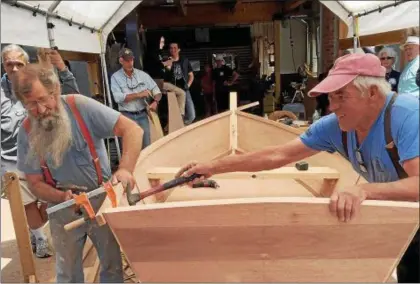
<point>409,266</point>
<point>210,104</point>
<point>222,98</point>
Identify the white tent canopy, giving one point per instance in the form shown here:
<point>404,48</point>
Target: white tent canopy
<point>376,16</point>
<point>97,19</point>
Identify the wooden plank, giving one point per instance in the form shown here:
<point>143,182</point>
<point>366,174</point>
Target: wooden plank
<point>248,106</point>
<point>233,105</point>
<point>174,114</point>
<point>156,131</point>
<point>263,239</point>
<point>87,248</point>
<point>93,271</point>
<point>281,173</point>
<point>13,191</point>
<point>392,37</point>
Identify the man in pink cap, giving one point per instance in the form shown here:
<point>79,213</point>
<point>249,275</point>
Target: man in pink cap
<point>365,117</point>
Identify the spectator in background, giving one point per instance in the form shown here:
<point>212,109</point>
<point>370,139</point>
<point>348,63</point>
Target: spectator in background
<point>207,85</point>
<point>135,91</point>
<point>387,56</point>
<point>180,73</point>
<point>155,63</point>
<point>223,77</point>
<point>407,84</point>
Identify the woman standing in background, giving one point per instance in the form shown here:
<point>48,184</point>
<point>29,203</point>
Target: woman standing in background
<point>387,56</point>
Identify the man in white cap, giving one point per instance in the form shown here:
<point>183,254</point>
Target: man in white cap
<point>407,83</point>
<point>359,128</point>
<point>224,77</point>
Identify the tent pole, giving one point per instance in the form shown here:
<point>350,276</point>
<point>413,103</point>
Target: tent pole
<point>106,87</point>
<point>355,32</point>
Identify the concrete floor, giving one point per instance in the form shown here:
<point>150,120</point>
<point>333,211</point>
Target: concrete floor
<point>10,261</point>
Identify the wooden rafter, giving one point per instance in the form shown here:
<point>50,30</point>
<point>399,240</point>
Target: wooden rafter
<point>182,8</point>
<point>291,5</point>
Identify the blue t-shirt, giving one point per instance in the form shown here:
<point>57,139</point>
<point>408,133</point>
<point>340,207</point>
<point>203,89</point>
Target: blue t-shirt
<point>77,167</point>
<point>325,135</point>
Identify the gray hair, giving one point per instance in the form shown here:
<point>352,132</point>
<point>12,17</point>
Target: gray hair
<point>24,79</point>
<point>388,50</point>
<point>363,83</point>
<point>14,47</point>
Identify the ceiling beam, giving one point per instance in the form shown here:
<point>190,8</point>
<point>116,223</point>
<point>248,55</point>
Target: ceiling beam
<point>182,8</point>
<point>209,14</point>
<point>291,5</point>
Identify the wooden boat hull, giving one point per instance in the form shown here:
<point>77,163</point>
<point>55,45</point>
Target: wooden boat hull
<point>262,240</point>
<point>257,227</point>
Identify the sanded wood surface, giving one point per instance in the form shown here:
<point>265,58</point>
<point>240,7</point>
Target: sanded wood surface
<point>280,173</point>
<point>262,239</point>
<point>175,121</point>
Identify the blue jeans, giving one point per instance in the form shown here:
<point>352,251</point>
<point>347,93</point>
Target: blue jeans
<point>189,108</point>
<point>143,121</point>
<point>69,247</point>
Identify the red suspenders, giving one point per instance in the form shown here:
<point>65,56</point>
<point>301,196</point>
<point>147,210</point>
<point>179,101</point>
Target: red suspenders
<point>70,99</point>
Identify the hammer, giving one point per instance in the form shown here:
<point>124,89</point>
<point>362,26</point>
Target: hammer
<point>133,198</point>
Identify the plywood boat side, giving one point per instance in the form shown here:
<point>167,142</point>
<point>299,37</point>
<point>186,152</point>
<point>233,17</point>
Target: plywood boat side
<point>262,240</point>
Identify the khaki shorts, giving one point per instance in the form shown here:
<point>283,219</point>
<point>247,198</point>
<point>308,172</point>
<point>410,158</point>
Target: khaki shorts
<point>27,196</point>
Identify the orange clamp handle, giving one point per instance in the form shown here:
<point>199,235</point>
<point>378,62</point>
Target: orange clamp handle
<point>83,200</point>
<point>110,192</point>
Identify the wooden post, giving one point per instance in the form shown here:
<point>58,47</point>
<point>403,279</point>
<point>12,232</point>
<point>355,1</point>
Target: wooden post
<point>175,121</point>
<point>233,122</point>
<point>13,192</point>
<point>277,69</point>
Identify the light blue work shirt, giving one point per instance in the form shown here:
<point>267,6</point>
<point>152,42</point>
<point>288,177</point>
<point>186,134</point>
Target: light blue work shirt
<point>122,85</point>
<point>325,135</point>
<point>77,167</point>
<point>407,83</point>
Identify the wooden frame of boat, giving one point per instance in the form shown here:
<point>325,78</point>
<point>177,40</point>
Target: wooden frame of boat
<point>257,227</point>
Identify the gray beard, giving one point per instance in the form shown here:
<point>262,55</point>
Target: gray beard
<point>50,137</point>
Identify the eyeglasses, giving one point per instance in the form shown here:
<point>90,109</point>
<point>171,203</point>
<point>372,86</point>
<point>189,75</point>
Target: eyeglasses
<point>387,58</point>
<point>360,161</point>
<point>43,101</point>
<point>132,85</point>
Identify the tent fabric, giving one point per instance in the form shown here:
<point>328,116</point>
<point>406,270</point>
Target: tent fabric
<point>19,26</point>
<point>403,15</point>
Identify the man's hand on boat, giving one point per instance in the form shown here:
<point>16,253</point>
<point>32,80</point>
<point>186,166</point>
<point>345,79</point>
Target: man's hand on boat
<point>203,169</point>
<point>125,177</point>
<point>345,204</point>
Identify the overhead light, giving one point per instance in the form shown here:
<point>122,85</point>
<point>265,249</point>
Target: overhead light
<point>170,1</point>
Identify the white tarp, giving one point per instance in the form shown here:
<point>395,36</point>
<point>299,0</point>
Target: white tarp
<point>19,26</point>
<point>403,15</point>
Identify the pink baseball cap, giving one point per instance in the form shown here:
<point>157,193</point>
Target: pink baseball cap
<point>346,69</point>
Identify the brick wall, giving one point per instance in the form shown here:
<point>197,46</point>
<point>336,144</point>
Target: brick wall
<point>329,40</point>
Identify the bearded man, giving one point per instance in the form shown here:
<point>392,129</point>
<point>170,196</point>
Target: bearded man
<point>12,115</point>
<point>54,135</point>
